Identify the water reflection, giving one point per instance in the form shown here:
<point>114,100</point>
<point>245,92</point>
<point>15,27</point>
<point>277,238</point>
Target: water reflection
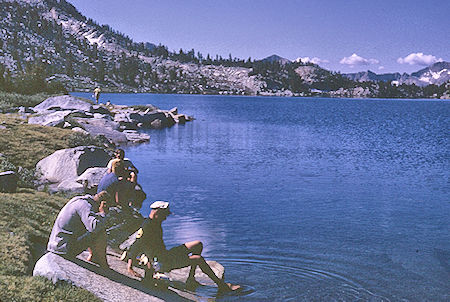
<point>309,199</point>
<point>180,229</point>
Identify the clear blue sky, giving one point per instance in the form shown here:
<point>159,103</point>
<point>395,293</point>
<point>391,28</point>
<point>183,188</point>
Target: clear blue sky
<point>347,35</point>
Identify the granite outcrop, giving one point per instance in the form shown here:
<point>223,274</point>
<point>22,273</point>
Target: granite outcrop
<point>114,285</point>
<point>119,124</point>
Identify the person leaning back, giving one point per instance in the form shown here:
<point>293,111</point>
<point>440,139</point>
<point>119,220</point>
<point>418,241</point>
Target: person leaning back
<point>150,241</point>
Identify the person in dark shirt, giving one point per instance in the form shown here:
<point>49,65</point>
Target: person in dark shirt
<point>149,241</point>
<point>115,183</point>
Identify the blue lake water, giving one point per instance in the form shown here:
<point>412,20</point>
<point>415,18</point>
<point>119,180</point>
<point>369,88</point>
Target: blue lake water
<point>307,199</point>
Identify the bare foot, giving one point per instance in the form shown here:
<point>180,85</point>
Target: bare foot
<point>228,287</point>
<point>89,257</point>
<point>133,273</point>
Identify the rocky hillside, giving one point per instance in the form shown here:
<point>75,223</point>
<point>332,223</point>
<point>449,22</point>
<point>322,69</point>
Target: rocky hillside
<point>49,41</point>
<point>81,54</point>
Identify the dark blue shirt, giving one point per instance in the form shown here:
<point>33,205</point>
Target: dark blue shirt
<point>109,183</point>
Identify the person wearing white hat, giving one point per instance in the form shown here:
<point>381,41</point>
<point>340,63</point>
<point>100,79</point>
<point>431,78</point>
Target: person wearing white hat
<point>150,242</point>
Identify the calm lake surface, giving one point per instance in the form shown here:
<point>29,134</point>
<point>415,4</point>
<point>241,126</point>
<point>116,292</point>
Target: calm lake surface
<point>307,199</point>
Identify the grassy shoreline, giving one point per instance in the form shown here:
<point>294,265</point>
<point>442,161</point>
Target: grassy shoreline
<point>26,217</point>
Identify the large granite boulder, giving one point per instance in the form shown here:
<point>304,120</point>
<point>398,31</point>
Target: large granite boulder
<point>68,186</point>
<point>146,119</point>
<point>125,121</point>
<point>64,102</point>
<point>91,177</point>
<point>114,285</point>
<point>134,136</point>
<point>50,118</point>
<point>106,127</point>
<point>101,109</point>
<point>8,182</point>
<point>68,164</point>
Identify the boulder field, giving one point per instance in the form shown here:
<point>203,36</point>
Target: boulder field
<point>119,124</point>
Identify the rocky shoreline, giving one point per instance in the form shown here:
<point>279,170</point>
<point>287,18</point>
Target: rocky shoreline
<point>97,129</point>
<point>118,124</point>
<point>78,170</point>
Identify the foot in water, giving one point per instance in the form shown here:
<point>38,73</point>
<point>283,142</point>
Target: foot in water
<point>228,287</point>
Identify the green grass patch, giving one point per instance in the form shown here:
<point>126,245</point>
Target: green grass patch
<point>24,144</point>
<point>25,216</point>
<point>10,100</point>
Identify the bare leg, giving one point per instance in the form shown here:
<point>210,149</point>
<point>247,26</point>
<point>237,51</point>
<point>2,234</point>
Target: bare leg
<point>130,269</point>
<point>196,248</point>
<point>223,287</point>
<point>133,178</point>
<point>98,252</point>
<point>89,257</point>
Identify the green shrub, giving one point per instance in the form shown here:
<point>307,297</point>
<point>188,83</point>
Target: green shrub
<point>76,139</point>
<point>10,100</point>
<point>56,87</point>
<point>27,177</point>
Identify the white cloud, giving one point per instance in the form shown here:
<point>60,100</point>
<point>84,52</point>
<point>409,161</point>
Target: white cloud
<point>355,60</point>
<point>381,68</point>
<point>418,58</point>
<point>314,60</point>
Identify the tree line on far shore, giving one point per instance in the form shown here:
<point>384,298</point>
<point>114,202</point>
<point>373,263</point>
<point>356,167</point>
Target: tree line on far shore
<point>61,53</point>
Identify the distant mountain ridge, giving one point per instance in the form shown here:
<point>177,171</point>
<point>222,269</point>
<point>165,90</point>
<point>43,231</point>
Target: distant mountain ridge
<point>276,58</point>
<point>52,39</point>
<point>437,74</point>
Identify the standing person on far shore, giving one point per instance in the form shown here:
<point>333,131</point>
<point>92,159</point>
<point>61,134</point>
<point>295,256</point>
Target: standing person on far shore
<point>97,92</point>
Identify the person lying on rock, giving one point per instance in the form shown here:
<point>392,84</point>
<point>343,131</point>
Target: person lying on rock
<point>130,169</point>
<point>116,184</point>
<point>150,242</point>
<point>80,225</point>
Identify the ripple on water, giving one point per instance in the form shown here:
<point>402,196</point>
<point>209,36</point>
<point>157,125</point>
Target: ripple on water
<point>296,284</point>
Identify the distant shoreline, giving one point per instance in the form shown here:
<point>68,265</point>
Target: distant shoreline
<point>267,96</point>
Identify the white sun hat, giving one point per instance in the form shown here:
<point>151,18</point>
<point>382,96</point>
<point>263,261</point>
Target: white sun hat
<point>160,204</point>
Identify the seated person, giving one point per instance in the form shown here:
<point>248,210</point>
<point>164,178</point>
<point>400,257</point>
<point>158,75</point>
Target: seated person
<point>79,225</point>
<point>128,165</point>
<point>115,184</point>
<point>136,196</point>
<point>150,241</point>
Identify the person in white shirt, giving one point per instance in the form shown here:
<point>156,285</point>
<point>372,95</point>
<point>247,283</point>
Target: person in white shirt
<point>128,165</point>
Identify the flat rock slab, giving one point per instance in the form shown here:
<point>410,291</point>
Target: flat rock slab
<point>63,102</point>
<point>114,285</point>
<point>104,127</point>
